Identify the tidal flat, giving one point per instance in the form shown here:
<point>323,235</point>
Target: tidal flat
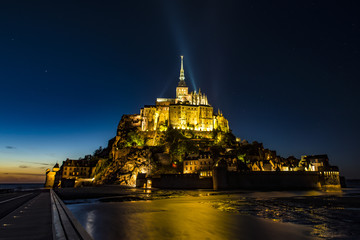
<point>202,214</point>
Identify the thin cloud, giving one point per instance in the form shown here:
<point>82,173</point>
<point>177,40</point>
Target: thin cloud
<point>23,166</point>
<point>20,173</point>
<point>39,163</point>
<point>10,147</point>
<point>51,154</point>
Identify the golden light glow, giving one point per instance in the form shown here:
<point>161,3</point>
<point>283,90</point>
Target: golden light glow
<point>148,184</point>
<point>187,111</point>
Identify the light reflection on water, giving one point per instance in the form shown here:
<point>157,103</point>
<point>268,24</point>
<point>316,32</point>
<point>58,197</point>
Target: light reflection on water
<point>221,215</point>
<point>179,218</point>
<point>90,221</point>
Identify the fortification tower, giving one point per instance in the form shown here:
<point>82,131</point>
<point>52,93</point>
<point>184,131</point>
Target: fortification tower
<point>51,175</point>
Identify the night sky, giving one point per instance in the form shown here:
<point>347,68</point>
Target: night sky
<point>285,74</point>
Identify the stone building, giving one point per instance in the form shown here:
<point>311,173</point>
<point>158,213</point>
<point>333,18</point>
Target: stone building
<point>190,111</point>
<point>201,164</point>
<point>75,169</point>
<point>314,162</point>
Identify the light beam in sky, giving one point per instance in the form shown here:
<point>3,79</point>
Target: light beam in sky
<point>180,40</point>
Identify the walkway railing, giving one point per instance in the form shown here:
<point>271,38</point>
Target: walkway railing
<point>65,225</point>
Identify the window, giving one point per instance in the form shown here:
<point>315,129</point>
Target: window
<point>190,168</point>
<point>186,168</point>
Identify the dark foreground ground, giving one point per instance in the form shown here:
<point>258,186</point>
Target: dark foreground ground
<point>26,215</point>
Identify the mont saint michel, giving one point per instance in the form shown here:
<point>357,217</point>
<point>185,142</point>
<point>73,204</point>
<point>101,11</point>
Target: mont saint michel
<point>183,143</point>
<point>179,120</point>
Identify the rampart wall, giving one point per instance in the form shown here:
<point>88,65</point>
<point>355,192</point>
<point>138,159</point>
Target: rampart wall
<point>222,179</point>
<point>275,180</point>
<point>182,181</point>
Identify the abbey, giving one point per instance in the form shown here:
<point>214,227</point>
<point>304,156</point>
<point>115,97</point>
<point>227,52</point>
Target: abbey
<point>190,111</point>
<point>181,143</point>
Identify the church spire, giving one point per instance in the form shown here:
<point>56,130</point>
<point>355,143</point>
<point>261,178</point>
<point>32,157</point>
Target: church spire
<point>182,75</point>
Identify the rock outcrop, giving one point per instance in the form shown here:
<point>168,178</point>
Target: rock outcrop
<point>124,167</point>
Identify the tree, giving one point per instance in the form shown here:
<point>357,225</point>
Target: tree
<point>179,145</point>
<point>224,139</point>
<point>134,138</point>
<point>98,151</point>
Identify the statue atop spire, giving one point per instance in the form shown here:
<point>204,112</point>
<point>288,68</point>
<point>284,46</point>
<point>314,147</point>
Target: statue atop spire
<point>182,74</point>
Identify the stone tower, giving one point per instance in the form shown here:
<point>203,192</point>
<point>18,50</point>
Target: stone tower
<point>182,90</point>
<point>50,176</point>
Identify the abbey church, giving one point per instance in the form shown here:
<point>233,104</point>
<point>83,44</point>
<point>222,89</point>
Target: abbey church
<point>190,111</point>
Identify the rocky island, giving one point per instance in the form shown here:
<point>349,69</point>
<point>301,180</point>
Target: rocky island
<point>183,143</point>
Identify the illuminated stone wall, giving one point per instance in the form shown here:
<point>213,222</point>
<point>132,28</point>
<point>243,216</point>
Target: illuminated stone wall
<point>221,123</point>
<point>192,117</point>
<point>50,180</point>
<point>74,169</point>
<point>188,111</point>
<point>181,116</point>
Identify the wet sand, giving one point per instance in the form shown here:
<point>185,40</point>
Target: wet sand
<point>184,217</point>
<point>109,212</point>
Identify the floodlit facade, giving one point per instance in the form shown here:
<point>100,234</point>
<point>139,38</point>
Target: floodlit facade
<point>74,169</point>
<point>50,180</point>
<point>190,111</point>
<point>201,164</point>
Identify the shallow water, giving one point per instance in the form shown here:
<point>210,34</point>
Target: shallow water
<point>222,215</point>
<point>184,217</point>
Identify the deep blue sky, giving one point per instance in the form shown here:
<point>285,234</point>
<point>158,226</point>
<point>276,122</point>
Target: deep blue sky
<point>285,74</point>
